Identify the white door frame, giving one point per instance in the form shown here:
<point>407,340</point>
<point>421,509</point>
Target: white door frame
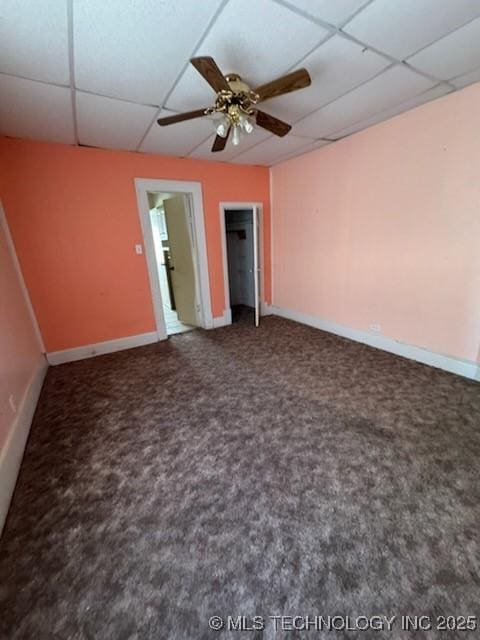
<point>239,206</point>
<point>193,191</point>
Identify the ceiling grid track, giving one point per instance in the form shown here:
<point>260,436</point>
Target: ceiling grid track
<point>197,46</point>
<point>337,27</point>
<point>347,36</point>
<point>49,84</point>
<point>338,30</point>
<point>71,66</point>
<point>332,31</point>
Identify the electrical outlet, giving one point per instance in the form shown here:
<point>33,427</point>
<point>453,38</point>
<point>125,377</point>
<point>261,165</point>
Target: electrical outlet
<point>376,327</point>
<point>138,249</point>
<point>12,403</point>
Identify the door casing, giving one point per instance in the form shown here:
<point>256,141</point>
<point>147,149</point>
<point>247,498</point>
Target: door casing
<point>193,191</point>
<point>226,287</point>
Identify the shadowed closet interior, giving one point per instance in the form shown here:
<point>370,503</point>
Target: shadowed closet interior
<point>240,247</point>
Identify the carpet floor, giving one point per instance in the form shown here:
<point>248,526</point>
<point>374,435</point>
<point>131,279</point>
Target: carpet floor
<point>244,472</point>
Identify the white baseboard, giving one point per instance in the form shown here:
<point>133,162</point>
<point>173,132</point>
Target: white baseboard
<point>100,348</point>
<point>223,321</point>
<point>12,451</point>
<point>465,368</point>
<point>266,309</point>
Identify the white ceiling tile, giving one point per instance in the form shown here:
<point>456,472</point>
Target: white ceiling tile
<point>466,79</point>
<point>259,41</point>
<point>402,27</point>
<point>300,152</point>
<point>106,122</point>
<point>135,50</point>
<point>273,148</point>
<point>30,109</point>
<point>34,39</point>
<point>453,55</point>
<point>333,11</point>
<point>383,92</point>
<point>204,150</point>
<point>426,96</point>
<point>177,139</point>
<point>191,92</point>
<point>336,66</point>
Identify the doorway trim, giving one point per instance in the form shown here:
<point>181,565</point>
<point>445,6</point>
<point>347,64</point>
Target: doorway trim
<point>193,191</point>
<point>227,313</point>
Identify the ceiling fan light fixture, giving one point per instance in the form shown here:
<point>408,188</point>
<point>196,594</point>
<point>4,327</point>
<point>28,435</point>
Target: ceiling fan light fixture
<point>222,126</point>
<point>236,102</point>
<point>247,125</point>
<point>236,135</point>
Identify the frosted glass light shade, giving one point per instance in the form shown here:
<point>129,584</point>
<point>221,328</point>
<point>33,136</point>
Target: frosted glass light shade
<point>248,126</point>
<point>236,135</point>
<point>221,126</point>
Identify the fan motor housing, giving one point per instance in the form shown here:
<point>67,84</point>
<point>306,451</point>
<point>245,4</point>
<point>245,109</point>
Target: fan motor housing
<point>236,84</point>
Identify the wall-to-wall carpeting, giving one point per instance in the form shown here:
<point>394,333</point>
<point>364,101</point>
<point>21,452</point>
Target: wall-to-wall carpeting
<point>243,471</point>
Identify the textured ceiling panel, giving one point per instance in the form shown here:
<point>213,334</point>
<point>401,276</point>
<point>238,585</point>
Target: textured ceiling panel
<point>177,139</point>
<point>402,27</point>
<point>34,39</point>
<point>335,67</point>
<point>453,55</point>
<point>135,50</point>
<point>35,110</point>
<point>259,40</point>
<point>333,11</point>
<point>274,148</point>
<point>466,79</point>
<point>311,147</point>
<point>426,96</point>
<point>125,60</point>
<point>390,88</point>
<point>105,122</point>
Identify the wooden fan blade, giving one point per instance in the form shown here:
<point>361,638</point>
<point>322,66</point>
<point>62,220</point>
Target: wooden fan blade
<point>179,117</point>
<point>276,126</point>
<point>219,142</point>
<point>207,67</point>
<point>298,79</point>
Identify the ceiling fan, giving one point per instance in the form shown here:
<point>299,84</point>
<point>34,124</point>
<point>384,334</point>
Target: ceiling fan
<point>236,102</point>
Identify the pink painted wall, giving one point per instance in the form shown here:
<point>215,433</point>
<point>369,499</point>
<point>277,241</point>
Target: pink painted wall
<point>74,218</point>
<point>384,228</point>
<point>20,353</point>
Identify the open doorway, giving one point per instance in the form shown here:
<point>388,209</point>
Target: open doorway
<point>174,259</point>
<point>171,216</point>
<point>240,224</point>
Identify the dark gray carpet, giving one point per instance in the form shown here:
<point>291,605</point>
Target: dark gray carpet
<point>244,472</point>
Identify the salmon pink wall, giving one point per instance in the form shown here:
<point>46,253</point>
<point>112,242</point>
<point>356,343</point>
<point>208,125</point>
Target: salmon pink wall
<point>384,228</point>
<point>20,351</point>
<point>74,218</point>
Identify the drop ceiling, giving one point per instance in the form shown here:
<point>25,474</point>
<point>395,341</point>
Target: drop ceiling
<point>101,73</point>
